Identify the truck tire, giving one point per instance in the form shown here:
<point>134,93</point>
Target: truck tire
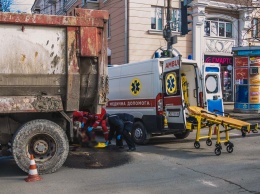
<point>46,140</point>
<point>139,133</point>
<point>182,135</point>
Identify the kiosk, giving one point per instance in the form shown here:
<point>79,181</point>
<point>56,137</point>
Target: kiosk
<point>247,79</point>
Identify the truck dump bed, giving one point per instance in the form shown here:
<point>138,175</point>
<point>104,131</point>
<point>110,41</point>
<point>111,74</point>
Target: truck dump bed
<point>58,57</point>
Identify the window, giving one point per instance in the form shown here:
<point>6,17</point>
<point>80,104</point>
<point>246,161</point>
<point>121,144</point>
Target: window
<point>109,27</point>
<point>211,83</point>
<point>218,28</point>
<point>85,1</point>
<point>176,15</point>
<point>255,28</point>
<point>156,18</point>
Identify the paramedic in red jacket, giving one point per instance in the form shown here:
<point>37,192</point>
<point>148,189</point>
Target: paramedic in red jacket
<point>86,120</point>
<point>99,121</point>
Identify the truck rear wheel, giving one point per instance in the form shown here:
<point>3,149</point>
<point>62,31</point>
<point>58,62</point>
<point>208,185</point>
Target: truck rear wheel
<point>46,141</point>
<point>182,135</point>
<point>139,133</point>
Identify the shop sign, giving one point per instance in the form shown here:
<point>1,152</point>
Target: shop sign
<point>223,60</point>
<point>254,61</point>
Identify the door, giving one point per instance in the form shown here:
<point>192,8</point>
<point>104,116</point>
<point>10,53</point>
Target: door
<point>212,87</point>
<point>173,98</point>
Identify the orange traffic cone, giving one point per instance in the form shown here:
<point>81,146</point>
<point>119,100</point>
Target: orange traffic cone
<point>33,173</point>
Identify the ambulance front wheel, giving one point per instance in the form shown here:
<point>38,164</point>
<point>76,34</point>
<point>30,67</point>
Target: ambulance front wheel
<point>139,133</point>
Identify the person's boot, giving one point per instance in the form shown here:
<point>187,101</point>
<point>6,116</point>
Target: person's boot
<point>131,149</point>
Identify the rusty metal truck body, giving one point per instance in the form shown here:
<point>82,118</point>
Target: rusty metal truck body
<point>50,66</point>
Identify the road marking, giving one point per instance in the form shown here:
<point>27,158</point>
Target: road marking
<point>235,134</point>
<point>139,154</point>
<point>209,183</point>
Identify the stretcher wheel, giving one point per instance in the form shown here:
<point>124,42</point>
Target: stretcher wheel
<point>209,142</point>
<point>197,144</point>
<point>218,145</point>
<point>229,148</point>
<point>217,151</point>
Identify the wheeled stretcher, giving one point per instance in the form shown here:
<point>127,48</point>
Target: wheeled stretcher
<point>199,118</point>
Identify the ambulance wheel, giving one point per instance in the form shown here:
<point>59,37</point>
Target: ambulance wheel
<point>44,139</point>
<point>197,144</point>
<point>218,151</point>
<point>209,142</point>
<point>139,133</point>
<point>182,135</point>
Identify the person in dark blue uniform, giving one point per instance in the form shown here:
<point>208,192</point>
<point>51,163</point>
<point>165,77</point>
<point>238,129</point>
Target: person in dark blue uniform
<point>122,124</point>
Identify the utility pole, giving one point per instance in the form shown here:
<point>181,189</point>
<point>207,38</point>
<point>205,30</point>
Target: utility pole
<point>168,28</point>
<point>167,32</point>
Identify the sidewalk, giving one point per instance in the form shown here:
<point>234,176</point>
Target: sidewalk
<point>229,108</point>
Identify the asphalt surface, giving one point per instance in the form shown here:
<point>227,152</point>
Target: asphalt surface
<point>91,158</point>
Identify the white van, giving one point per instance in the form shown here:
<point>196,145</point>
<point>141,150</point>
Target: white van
<point>156,93</point>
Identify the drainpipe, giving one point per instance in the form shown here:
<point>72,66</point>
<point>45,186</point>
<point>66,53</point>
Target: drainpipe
<point>239,37</point>
<point>126,32</point>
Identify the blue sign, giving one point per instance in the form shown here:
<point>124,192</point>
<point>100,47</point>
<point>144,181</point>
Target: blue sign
<point>240,106</point>
<point>254,106</point>
<point>246,53</point>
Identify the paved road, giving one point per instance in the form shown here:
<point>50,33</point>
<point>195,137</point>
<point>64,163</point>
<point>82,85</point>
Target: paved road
<point>165,165</point>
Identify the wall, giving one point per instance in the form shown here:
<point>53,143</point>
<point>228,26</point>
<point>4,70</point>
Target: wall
<point>143,41</point>
<point>116,43</point>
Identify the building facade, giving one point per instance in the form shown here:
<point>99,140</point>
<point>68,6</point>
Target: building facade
<point>135,30</point>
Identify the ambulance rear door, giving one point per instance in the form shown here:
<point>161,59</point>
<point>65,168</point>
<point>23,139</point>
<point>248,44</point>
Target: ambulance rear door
<point>173,97</point>
<point>212,87</point>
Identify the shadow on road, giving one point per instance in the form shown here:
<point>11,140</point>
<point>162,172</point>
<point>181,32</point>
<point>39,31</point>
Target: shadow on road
<point>173,140</point>
<point>94,158</point>
<point>184,152</point>
<point>8,168</point>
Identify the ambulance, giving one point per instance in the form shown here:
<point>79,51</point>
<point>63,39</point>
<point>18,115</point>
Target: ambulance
<point>157,92</point>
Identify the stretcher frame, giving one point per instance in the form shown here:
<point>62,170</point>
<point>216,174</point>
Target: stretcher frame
<point>204,118</point>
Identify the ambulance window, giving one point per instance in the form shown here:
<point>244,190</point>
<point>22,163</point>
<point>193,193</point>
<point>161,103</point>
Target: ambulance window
<point>212,69</point>
<point>211,82</point>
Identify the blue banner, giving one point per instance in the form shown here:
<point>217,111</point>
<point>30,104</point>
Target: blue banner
<point>240,106</point>
<point>254,106</point>
<point>247,53</point>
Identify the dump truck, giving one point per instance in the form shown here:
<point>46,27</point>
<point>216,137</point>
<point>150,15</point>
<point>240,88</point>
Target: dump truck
<point>50,66</point>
